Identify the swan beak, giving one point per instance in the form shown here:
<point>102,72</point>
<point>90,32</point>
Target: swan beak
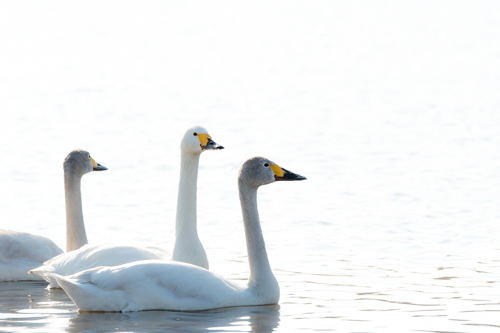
<point>97,166</point>
<point>284,174</point>
<point>206,143</point>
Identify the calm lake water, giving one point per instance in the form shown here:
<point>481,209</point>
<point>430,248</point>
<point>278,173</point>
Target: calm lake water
<point>391,110</point>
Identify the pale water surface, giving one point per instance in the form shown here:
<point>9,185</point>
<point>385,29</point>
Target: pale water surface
<point>390,109</point>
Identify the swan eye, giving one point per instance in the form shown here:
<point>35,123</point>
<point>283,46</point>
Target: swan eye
<point>195,134</point>
<point>266,165</point>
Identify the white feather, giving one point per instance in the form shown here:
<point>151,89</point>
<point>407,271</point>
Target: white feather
<point>188,247</point>
<point>20,252</point>
<point>162,285</point>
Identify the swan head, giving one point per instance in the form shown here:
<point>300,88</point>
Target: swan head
<point>80,162</point>
<point>197,140</point>
<point>257,171</point>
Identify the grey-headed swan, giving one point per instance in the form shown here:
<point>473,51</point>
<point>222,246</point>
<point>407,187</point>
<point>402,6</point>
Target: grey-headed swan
<point>162,285</point>
<point>20,252</point>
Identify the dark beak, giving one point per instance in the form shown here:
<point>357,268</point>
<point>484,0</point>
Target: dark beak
<point>289,176</point>
<point>211,145</point>
<point>100,167</point>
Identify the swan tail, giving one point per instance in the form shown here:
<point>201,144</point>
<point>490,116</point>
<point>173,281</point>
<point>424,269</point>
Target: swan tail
<point>87,296</point>
<point>44,271</point>
<point>70,287</point>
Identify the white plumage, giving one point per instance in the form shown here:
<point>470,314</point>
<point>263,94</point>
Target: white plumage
<point>188,247</point>
<point>155,285</point>
<point>20,252</point>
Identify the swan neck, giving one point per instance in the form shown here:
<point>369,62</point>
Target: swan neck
<point>76,236</point>
<point>260,269</point>
<point>188,247</point>
<point>185,221</point>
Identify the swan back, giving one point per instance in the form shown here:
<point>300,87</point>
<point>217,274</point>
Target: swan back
<point>149,285</point>
<point>90,256</point>
<point>20,252</point>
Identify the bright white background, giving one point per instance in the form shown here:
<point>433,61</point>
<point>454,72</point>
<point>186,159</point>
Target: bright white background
<point>390,108</point>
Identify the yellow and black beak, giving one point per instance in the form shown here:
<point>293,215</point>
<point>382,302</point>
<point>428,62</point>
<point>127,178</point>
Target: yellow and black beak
<point>206,143</point>
<point>97,166</point>
<point>284,174</point>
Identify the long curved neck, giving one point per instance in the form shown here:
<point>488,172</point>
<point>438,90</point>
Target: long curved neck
<point>76,236</point>
<point>260,269</point>
<point>188,247</point>
<point>185,221</point>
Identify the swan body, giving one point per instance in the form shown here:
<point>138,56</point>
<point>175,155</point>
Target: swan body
<point>152,285</point>
<point>162,285</point>
<point>20,252</point>
<point>188,247</point>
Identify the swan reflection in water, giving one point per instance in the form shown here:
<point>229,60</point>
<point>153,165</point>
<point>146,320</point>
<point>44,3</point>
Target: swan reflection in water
<point>263,318</point>
<point>28,305</point>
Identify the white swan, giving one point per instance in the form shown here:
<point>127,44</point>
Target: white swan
<point>188,247</point>
<point>161,285</point>
<point>20,252</point>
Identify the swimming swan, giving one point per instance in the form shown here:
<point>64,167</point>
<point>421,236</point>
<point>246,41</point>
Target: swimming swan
<point>162,285</point>
<point>20,252</point>
<point>187,248</point>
